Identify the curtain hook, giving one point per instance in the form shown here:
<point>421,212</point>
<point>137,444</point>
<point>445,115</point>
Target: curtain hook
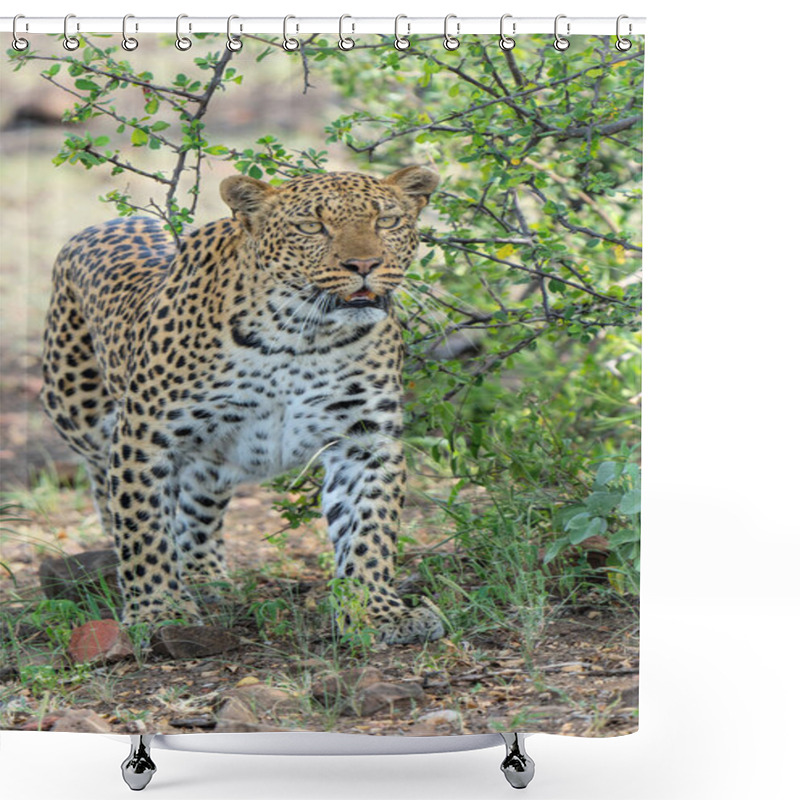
<point>18,42</point>
<point>345,42</point>
<point>182,42</point>
<point>70,42</point>
<point>450,42</point>
<point>623,44</point>
<point>507,42</point>
<point>401,42</point>
<point>128,42</point>
<point>289,43</point>
<point>560,43</point>
<point>234,43</point>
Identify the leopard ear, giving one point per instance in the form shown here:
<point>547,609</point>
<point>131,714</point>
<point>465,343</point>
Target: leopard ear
<point>418,182</point>
<point>247,197</point>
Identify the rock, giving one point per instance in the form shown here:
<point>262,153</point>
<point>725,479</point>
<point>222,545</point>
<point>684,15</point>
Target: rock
<point>99,641</point>
<point>259,701</point>
<point>75,577</point>
<point>235,710</point>
<point>45,723</point>
<point>81,720</point>
<point>204,721</point>
<point>382,695</point>
<point>192,641</point>
<point>438,723</point>
<point>344,684</point>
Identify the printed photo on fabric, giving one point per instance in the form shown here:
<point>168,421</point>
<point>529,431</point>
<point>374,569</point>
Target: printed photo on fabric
<point>320,386</point>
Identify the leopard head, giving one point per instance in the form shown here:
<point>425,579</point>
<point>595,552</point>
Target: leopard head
<point>342,240</point>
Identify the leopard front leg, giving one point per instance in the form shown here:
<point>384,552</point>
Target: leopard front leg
<point>143,489</point>
<point>362,497</point>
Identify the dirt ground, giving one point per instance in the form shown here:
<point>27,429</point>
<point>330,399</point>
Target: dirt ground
<point>580,678</point>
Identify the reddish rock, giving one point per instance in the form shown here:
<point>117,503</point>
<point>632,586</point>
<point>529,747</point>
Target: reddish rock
<point>379,696</point>
<point>258,701</point>
<point>81,720</point>
<point>45,723</point>
<point>344,684</point>
<point>443,722</point>
<point>99,641</point>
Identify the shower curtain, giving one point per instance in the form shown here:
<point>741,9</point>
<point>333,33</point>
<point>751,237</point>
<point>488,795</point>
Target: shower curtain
<point>376,301</point>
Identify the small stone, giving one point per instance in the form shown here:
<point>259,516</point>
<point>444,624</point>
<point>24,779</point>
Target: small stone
<point>192,641</point>
<point>99,641</point>
<point>438,723</point>
<point>382,695</point>
<point>45,723</point>
<point>81,720</point>
<point>235,710</point>
<point>345,683</point>
<point>260,701</point>
<point>193,722</point>
<point>75,577</point>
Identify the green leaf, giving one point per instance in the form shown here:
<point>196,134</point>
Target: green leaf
<point>86,85</point>
<point>631,502</point>
<point>553,550</point>
<point>139,137</point>
<point>607,471</point>
<point>625,536</point>
<point>583,526</point>
<point>602,503</point>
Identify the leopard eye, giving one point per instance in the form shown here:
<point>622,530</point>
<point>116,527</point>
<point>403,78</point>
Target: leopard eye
<point>310,228</point>
<point>389,222</point>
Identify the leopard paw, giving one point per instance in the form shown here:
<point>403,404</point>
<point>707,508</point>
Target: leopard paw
<point>413,625</point>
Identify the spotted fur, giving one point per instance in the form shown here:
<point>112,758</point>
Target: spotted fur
<point>262,342</point>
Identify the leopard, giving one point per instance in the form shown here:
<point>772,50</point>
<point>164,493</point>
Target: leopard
<point>180,368</point>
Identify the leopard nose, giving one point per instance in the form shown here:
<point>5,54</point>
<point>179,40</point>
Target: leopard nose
<point>362,266</point>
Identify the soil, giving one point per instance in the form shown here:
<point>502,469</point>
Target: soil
<point>579,677</point>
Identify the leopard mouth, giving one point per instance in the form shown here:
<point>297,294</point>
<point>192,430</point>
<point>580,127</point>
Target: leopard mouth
<point>363,298</point>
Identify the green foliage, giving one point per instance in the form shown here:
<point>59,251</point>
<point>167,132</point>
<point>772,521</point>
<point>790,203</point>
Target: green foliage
<point>611,510</point>
<point>348,601</point>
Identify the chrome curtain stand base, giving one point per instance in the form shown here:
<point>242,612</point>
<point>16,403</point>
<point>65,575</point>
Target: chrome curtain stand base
<point>138,768</point>
<point>517,766</point>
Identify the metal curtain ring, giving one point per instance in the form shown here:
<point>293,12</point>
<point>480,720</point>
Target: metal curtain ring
<point>560,43</point>
<point>70,42</point>
<point>128,42</point>
<point>506,42</point>
<point>182,42</point>
<point>450,42</point>
<point>289,43</point>
<point>18,43</point>
<point>401,42</point>
<point>623,44</point>
<point>234,43</point>
<point>345,42</point>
